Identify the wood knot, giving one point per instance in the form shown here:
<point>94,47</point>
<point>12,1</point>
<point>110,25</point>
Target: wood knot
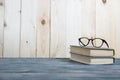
<point>104,1</point>
<point>1,4</point>
<point>5,24</point>
<point>43,22</point>
<point>26,41</point>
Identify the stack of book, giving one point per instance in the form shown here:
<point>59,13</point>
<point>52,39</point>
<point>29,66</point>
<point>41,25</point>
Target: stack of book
<point>89,55</point>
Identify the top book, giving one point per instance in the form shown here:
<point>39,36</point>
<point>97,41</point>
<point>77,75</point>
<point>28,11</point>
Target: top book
<point>90,51</point>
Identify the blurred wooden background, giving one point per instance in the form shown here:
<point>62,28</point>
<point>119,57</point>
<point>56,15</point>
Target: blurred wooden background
<point>46,28</point>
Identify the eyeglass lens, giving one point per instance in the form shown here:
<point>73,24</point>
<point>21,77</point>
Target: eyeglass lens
<point>97,42</point>
<point>85,41</point>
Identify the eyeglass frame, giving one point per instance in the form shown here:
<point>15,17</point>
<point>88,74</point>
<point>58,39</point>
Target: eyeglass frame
<point>92,39</point>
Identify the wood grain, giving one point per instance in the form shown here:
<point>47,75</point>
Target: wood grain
<point>1,26</point>
<point>73,23</point>
<point>46,28</point>
<point>28,29</point>
<point>56,69</point>
<point>88,18</point>
<point>58,28</point>
<point>12,28</point>
<point>43,28</point>
<point>107,23</point>
<point>117,24</point>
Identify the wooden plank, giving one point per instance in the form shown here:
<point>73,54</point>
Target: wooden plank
<point>58,28</point>
<point>28,29</point>
<point>73,23</point>
<point>88,18</point>
<point>43,28</point>
<point>103,20</point>
<point>55,69</point>
<point>117,24</point>
<point>107,23</point>
<point>1,26</point>
<point>12,28</point>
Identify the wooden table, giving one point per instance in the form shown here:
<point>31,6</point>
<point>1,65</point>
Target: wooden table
<point>55,69</point>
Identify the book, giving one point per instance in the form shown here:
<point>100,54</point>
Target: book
<point>91,60</point>
<point>90,51</point>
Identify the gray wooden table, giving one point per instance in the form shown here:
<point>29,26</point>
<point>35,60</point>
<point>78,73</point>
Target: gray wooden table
<point>55,69</point>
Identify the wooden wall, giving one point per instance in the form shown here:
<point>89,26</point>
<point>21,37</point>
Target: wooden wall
<point>46,28</point>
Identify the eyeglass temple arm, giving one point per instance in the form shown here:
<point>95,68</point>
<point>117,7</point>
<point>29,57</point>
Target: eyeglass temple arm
<point>106,43</point>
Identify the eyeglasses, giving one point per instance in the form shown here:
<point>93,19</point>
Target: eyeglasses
<point>96,42</point>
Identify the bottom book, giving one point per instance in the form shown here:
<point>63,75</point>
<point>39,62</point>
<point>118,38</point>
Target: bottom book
<point>91,60</point>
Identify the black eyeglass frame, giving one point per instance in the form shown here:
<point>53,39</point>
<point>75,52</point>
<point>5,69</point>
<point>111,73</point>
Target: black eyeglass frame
<point>92,39</point>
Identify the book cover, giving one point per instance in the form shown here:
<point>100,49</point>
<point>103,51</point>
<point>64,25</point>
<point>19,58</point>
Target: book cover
<point>90,51</point>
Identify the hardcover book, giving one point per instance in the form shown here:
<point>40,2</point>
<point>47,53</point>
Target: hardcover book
<point>91,60</point>
<point>89,51</point>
